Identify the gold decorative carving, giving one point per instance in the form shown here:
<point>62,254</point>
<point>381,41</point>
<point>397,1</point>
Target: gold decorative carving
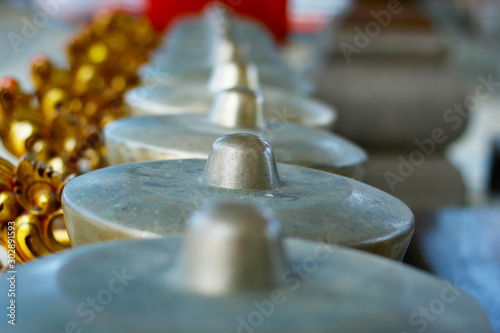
<point>58,127</point>
<point>31,218</point>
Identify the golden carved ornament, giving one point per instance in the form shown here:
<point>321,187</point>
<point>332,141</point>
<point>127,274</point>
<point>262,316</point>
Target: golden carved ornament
<point>21,122</point>
<point>65,141</point>
<point>59,127</point>
<point>88,97</point>
<point>112,49</point>
<point>31,218</point>
<point>103,63</point>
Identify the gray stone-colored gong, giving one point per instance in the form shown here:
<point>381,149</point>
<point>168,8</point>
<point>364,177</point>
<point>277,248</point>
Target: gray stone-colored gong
<point>233,273</point>
<point>233,110</point>
<point>152,199</point>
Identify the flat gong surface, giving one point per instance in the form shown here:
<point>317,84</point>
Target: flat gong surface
<point>149,199</point>
<point>134,286</point>
<point>192,136</point>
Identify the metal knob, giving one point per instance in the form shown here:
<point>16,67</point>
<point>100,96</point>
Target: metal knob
<point>233,247</point>
<point>241,162</point>
<point>227,75</point>
<point>238,107</point>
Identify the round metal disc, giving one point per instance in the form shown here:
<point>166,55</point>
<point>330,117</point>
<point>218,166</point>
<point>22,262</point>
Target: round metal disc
<point>152,199</point>
<point>278,104</point>
<point>191,136</point>
<point>131,287</point>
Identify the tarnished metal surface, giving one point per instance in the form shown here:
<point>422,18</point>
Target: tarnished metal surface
<point>260,283</point>
<point>233,110</point>
<point>150,199</point>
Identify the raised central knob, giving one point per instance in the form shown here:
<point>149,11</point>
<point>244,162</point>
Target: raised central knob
<point>232,247</point>
<point>238,107</point>
<point>241,162</point>
<point>227,75</point>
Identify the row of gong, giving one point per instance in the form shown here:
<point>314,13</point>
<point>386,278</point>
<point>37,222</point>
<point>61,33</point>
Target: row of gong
<point>229,154</point>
